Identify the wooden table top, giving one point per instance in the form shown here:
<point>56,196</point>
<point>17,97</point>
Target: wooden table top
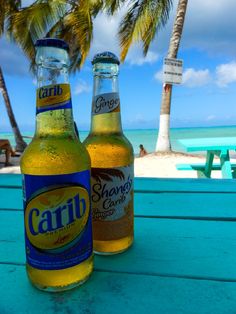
<point>182,260</point>
<point>205,144</point>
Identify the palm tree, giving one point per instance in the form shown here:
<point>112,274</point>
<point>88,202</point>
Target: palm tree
<point>141,23</point>
<point>73,21</point>
<point>6,8</point>
<point>69,20</point>
<point>163,141</point>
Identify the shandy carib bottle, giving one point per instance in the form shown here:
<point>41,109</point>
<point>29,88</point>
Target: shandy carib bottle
<point>56,181</point>
<point>112,162</point>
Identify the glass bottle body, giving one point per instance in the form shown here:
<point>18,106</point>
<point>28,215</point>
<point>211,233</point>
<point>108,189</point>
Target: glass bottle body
<point>55,155</point>
<point>112,167</point>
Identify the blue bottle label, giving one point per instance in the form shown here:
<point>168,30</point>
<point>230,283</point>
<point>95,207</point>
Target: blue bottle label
<point>58,226</point>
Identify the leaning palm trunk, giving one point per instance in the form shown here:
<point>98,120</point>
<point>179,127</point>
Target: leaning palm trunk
<point>163,141</point>
<point>20,143</point>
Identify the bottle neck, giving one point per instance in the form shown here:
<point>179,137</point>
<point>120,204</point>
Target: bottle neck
<point>54,109</point>
<point>106,116</point>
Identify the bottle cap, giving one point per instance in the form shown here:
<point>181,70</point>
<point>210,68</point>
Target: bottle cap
<point>105,57</point>
<point>52,42</point>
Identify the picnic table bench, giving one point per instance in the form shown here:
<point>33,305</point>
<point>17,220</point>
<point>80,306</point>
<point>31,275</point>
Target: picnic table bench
<point>200,168</point>
<point>182,261</point>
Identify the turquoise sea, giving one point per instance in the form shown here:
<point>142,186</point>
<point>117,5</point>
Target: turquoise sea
<point>148,137</point>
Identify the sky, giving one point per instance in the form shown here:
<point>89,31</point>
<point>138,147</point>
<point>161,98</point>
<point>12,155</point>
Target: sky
<point>206,97</point>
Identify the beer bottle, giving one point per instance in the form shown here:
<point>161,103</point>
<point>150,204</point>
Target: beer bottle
<point>112,162</point>
<point>56,181</point>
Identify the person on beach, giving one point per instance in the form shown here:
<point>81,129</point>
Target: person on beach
<point>6,146</point>
<point>142,151</point>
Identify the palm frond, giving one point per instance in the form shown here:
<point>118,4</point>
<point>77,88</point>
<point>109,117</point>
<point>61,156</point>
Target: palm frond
<point>113,5</point>
<point>70,20</point>
<point>6,9</point>
<point>31,23</point>
<point>142,22</point>
<point>2,16</point>
<point>78,31</point>
<point>159,19</point>
<point>96,7</point>
<point>127,29</point>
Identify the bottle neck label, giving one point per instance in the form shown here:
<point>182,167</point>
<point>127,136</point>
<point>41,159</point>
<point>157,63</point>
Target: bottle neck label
<point>106,103</point>
<point>53,97</point>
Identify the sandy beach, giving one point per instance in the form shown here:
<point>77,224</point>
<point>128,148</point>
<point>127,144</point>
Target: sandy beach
<point>162,165</point>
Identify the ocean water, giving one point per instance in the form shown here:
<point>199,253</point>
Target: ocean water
<point>148,137</point>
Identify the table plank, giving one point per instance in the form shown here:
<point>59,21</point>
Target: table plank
<point>11,198</point>
<point>151,184</point>
<point>169,185</point>
<point>195,205</point>
<point>10,180</point>
<point>107,292</point>
<point>180,204</point>
<point>170,247</point>
<point>213,143</point>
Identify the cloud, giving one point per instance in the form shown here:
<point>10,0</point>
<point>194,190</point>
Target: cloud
<point>210,118</point>
<point>226,74</point>
<point>159,75</point>
<point>213,32</point>
<point>191,77</point>
<point>210,26</point>
<point>13,62</point>
<point>106,39</point>
<point>105,34</point>
<point>135,57</point>
<point>82,87</point>
<point>196,78</point>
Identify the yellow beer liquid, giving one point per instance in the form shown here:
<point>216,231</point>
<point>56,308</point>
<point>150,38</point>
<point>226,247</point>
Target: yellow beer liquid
<point>109,148</point>
<point>55,151</point>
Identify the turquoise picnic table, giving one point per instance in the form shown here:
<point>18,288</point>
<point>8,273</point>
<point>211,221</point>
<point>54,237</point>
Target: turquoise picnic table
<point>182,261</point>
<point>214,146</point>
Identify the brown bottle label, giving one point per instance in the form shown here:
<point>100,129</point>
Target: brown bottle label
<point>106,103</point>
<point>112,202</point>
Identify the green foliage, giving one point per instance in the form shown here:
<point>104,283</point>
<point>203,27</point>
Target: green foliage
<point>7,7</point>
<point>27,25</point>
<point>111,6</point>
<point>72,20</point>
<point>69,20</point>
<point>142,22</point>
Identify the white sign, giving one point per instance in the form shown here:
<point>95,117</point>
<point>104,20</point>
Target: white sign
<point>172,71</point>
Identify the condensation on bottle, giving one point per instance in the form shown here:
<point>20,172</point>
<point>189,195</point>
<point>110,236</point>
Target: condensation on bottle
<point>112,162</point>
<point>56,172</point>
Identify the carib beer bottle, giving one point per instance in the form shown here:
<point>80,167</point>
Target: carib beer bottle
<point>56,181</point>
<point>112,162</point>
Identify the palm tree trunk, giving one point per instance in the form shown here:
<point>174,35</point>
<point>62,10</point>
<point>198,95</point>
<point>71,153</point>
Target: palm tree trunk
<point>20,143</point>
<point>163,141</point>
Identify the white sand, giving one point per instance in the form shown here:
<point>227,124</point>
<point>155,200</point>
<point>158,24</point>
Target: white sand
<point>163,165</point>
<point>153,165</point>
